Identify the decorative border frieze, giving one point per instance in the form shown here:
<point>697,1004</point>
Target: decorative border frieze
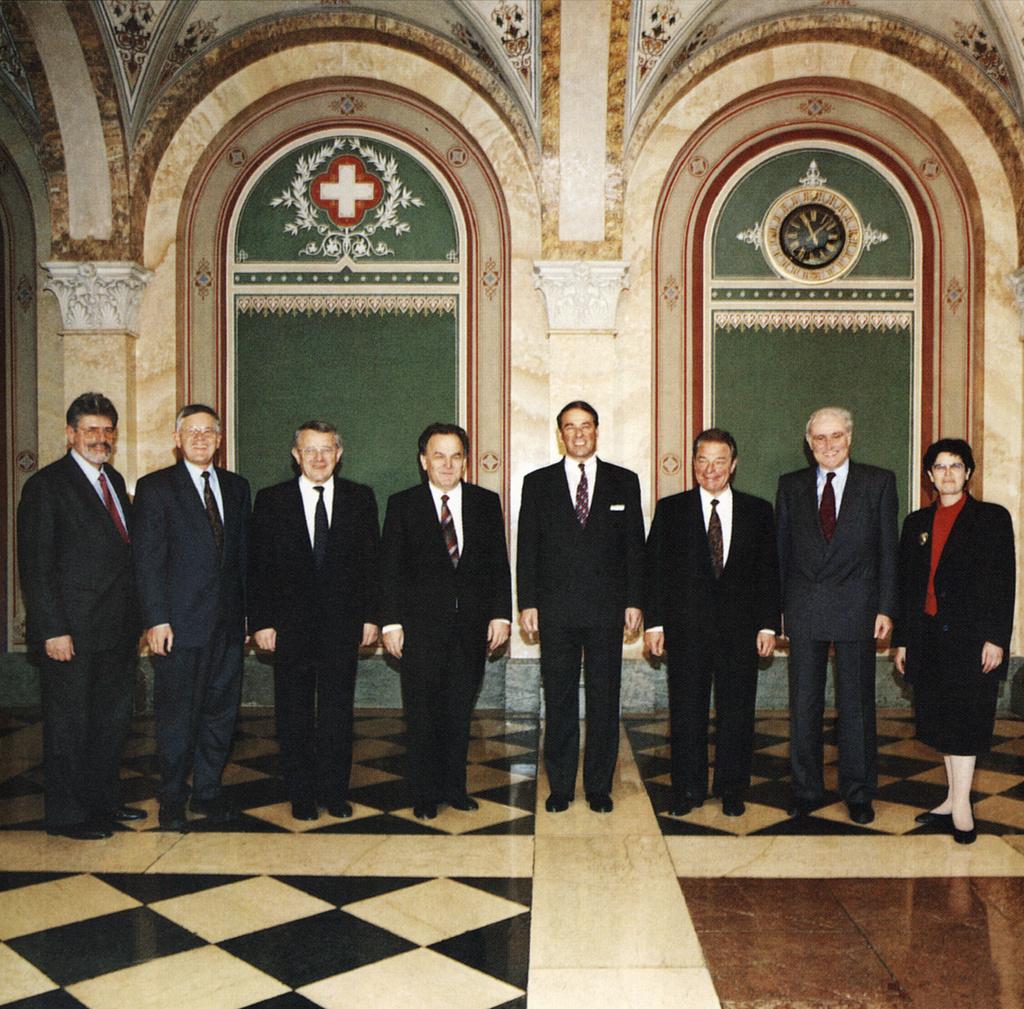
<point>581,297</point>
<point>343,304</point>
<point>814,320</point>
<point>97,297</point>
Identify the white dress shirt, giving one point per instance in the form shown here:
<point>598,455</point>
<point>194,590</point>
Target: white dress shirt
<point>724,516</point>
<point>572,474</point>
<point>838,484</point>
<point>93,475</point>
<point>309,499</point>
<point>196,472</point>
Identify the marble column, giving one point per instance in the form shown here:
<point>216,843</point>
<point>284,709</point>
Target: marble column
<point>99,308</point>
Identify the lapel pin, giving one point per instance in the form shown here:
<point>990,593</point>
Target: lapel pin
<point>923,538</point>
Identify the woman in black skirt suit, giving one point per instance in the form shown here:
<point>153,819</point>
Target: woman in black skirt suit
<point>957,577</point>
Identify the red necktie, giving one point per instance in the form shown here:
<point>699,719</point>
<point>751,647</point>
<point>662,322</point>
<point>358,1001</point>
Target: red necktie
<point>827,508</point>
<point>108,500</point>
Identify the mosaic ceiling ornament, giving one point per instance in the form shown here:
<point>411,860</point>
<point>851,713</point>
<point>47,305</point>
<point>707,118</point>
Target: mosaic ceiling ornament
<point>11,69</point>
<point>347,200</point>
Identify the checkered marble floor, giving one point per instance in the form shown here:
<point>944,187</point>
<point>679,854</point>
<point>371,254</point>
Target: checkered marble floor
<point>911,778</point>
<point>501,775</point>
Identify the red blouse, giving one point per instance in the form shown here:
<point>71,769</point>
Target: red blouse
<point>941,526</point>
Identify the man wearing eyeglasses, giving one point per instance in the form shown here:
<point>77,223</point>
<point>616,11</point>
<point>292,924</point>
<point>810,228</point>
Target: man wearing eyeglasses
<point>75,561</point>
<point>712,604</point>
<point>837,534</point>
<point>192,522</point>
<point>312,605</point>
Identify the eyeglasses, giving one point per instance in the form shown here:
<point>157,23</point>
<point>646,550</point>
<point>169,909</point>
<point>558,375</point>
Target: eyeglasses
<point>198,432</point>
<point>94,432</point>
<point>950,467</point>
<point>312,453</point>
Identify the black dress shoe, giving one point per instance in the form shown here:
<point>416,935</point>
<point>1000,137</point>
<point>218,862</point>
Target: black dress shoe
<point>599,802</point>
<point>803,807</point>
<point>88,831</point>
<point>931,819</point>
<point>464,802</point>
<point>342,809</point>
<point>125,813</point>
<point>557,803</point>
<point>683,804</point>
<point>425,810</point>
<point>732,805</point>
<point>172,817</point>
<point>861,812</point>
<point>305,809</point>
<point>216,810</point>
<point>964,836</point>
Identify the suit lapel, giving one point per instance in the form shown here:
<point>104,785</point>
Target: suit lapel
<point>852,504</point>
<point>426,515</point>
<point>697,534</point>
<point>295,516</point>
<point>959,535</point>
<point>89,499</point>
<point>192,505</point>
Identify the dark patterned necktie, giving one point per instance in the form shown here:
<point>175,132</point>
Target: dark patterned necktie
<point>451,541</point>
<point>212,514</point>
<point>715,541</point>
<point>108,500</point>
<point>827,509</point>
<point>321,528</point>
<point>582,498</point>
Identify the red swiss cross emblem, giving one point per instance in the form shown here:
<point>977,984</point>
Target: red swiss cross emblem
<point>346,191</point>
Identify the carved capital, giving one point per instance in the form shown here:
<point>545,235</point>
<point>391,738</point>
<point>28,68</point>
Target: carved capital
<point>1016,281</point>
<point>581,296</point>
<point>97,297</point>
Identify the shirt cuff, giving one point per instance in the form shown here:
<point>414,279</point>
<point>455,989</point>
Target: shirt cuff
<point>387,628</point>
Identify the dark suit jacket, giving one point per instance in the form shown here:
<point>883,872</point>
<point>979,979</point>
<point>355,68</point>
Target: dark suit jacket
<point>683,595</point>
<point>832,591</point>
<point>419,587</point>
<point>182,579</point>
<point>975,584</point>
<point>313,611</point>
<point>580,577</point>
<point>76,571</point>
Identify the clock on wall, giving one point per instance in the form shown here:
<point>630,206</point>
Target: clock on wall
<point>813,235</point>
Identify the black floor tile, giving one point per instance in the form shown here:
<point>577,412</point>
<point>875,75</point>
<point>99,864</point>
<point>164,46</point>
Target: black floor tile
<point>675,828</point>
<point>1009,763</point>
<point>268,763</point>
<point>308,950</point>
<point>521,825</point>
<point>641,740</point>
<point>253,794</point>
<point>391,763</point>
<point>771,793</point>
<point>903,767</point>
<point>517,888</point>
<point>530,738</point>
<point>341,890</point>
<point>767,765</point>
<point>150,887</point>
<point>15,880</point>
<point>106,943</point>
<point>17,786</point>
<point>56,999</point>
<point>512,763</point>
<point>522,795</point>
<point>814,826</point>
<point>241,824</point>
<point>501,949</point>
<point>383,824</point>
<point>516,1003</point>
<point>386,795</point>
<point>924,794</point>
<point>291,1000</point>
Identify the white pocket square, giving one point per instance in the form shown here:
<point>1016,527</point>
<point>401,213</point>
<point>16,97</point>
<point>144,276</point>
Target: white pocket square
<point>617,508</point>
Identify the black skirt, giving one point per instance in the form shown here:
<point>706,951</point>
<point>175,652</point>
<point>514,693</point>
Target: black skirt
<point>955,707</point>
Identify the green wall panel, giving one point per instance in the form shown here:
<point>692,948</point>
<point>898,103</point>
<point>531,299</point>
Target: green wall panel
<point>875,200</point>
<point>380,378</point>
<point>768,382</point>
<point>261,234</point>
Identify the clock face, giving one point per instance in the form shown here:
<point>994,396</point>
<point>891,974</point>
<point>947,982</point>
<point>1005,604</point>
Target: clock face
<point>812,235</point>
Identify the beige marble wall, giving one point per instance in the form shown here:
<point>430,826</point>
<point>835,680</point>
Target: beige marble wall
<point>1001,403</point>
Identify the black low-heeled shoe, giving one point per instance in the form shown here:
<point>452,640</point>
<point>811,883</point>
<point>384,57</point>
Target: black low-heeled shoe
<point>965,836</point>
<point>931,819</point>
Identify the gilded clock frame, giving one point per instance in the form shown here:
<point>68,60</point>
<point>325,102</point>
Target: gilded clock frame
<point>792,199</point>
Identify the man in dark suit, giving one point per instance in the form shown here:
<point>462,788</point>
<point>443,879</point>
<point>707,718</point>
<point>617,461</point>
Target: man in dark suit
<point>837,534</point>
<point>712,603</point>
<point>447,602</point>
<point>580,578</point>
<point>192,527</point>
<point>75,561</point>
<point>313,603</point>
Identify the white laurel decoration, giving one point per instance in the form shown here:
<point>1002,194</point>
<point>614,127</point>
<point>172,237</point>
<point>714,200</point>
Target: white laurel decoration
<point>873,237</point>
<point>356,242</point>
<point>345,304</point>
<point>752,236</point>
<point>813,176</point>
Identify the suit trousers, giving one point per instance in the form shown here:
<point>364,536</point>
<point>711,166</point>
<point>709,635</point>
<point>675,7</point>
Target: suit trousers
<point>87,710</point>
<point>690,677</point>
<point>562,651</point>
<point>314,721</point>
<point>440,682</point>
<point>195,700</point>
<point>855,701</point>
